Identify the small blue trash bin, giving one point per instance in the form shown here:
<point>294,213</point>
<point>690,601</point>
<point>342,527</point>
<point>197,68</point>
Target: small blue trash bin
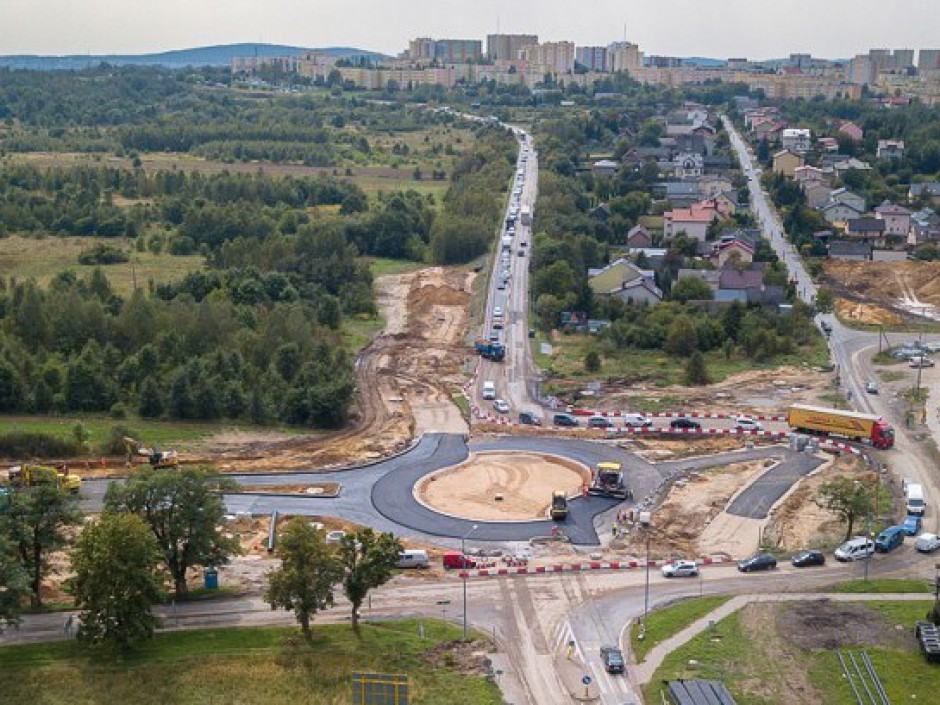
<point>211,579</point>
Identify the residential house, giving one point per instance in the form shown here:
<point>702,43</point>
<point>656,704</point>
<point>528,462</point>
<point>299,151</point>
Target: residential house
<point>709,276</point>
<point>601,213</point>
<point>852,130</point>
<point>843,195</point>
<point>614,276</point>
<point>710,185</point>
<point>850,164</point>
<point>688,164</point>
<point>869,229</point>
<point>828,144</point>
<point>681,194</point>
<point>929,191</point>
<point>836,211</point>
<point>806,175</point>
<point>722,207</point>
<point>890,149</point>
<point>639,291</point>
<point>691,221</point>
<point>751,282</point>
<point>718,162</point>
<point>605,167</point>
<point>734,254</point>
<point>897,219</point>
<point>654,256</point>
<point>769,131</point>
<point>850,250</point>
<point>785,162</point>
<point>639,237</point>
<point>925,227</point>
<point>817,195</point>
<point>796,140</point>
<point>727,202</point>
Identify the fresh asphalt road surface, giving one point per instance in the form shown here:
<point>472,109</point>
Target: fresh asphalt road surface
<point>381,495</point>
<point>757,499</point>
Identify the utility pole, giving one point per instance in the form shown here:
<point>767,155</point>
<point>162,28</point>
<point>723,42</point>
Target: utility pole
<point>463,564</point>
<point>646,521</point>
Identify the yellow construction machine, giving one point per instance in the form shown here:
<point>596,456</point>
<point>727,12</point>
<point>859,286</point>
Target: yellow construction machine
<point>32,475</point>
<point>156,457</point>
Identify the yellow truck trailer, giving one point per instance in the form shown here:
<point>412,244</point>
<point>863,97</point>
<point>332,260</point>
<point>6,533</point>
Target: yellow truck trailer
<point>836,422</point>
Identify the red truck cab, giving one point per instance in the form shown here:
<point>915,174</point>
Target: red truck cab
<point>455,559</point>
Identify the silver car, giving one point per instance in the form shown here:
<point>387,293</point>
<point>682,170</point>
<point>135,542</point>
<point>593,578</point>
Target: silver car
<point>927,543</point>
<point>680,569</point>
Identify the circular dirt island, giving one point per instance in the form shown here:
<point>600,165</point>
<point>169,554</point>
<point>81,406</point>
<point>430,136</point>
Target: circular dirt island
<point>525,481</point>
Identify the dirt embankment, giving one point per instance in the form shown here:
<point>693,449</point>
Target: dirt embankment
<point>405,378</point>
<point>885,292</point>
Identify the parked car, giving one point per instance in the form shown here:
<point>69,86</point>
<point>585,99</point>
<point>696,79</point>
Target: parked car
<point>911,525</point>
<point>637,421</point>
<point>759,561</point>
<point>529,419</point>
<point>807,558</point>
<point>680,569</point>
<point>920,361</point>
<point>501,405</point>
<point>855,549</point>
<point>889,539</point>
<point>871,387</point>
<point>613,659</point>
<point>927,543</point>
<point>600,422</point>
<point>743,423</point>
<point>564,420</point>
<point>684,422</point>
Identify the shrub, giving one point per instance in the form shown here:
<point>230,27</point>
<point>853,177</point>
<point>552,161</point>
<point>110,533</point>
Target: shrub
<point>102,254</point>
<point>35,444</point>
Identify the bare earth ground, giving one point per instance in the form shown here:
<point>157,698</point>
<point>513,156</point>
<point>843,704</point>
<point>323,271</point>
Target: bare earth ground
<point>690,506</point>
<point>524,480</point>
<point>799,522</point>
<point>754,392</point>
<point>889,290</point>
<point>659,449</point>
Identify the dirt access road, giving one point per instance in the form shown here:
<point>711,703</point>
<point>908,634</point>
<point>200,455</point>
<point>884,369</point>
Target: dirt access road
<point>405,377</point>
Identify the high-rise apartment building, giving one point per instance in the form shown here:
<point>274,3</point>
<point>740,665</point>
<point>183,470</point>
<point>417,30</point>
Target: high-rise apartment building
<point>592,58</point>
<point>550,57</point>
<point>624,56</point>
<point>458,51</point>
<point>929,60</point>
<point>501,47</point>
<point>421,48</point>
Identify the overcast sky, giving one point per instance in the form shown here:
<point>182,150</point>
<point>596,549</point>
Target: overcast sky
<point>717,28</point>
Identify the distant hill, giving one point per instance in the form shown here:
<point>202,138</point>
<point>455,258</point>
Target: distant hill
<point>199,56</point>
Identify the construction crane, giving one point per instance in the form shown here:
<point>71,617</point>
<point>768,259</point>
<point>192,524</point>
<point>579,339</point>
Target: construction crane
<point>32,475</point>
<point>156,457</point>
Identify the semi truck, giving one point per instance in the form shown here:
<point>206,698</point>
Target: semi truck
<point>836,422</point>
<point>525,215</point>
<point>490,350</point>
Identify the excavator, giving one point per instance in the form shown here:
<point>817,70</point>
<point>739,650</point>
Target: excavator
<point>32,475</point>
<point>156,457</point>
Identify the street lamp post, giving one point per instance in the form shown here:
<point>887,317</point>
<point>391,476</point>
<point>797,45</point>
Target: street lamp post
<point>463,564</point>
<point>646,521</point>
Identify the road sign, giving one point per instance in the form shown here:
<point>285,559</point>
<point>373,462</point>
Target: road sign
<point>586,680</point>
<point>379,689</point>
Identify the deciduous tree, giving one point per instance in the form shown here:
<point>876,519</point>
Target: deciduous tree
<point>846,498</point>
<point>117,581</point>
<point>368,561</point>
<point>309,570</point>
<point>184,510</point>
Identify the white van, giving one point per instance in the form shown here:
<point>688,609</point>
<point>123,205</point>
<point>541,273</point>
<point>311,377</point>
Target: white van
<point>914,498</point>
<point>489,390</point>
<point>856,549</point>
<point>636,421</point>
<point>413,559</point>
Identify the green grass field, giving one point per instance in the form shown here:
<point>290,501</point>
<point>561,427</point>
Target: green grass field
<point>43,258</point>
<point>884,586</point>
<point>759,666</point>
<point>164,434</point>
<point>669,621</point>
<point>655,367</point>
<point>262,665</point>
